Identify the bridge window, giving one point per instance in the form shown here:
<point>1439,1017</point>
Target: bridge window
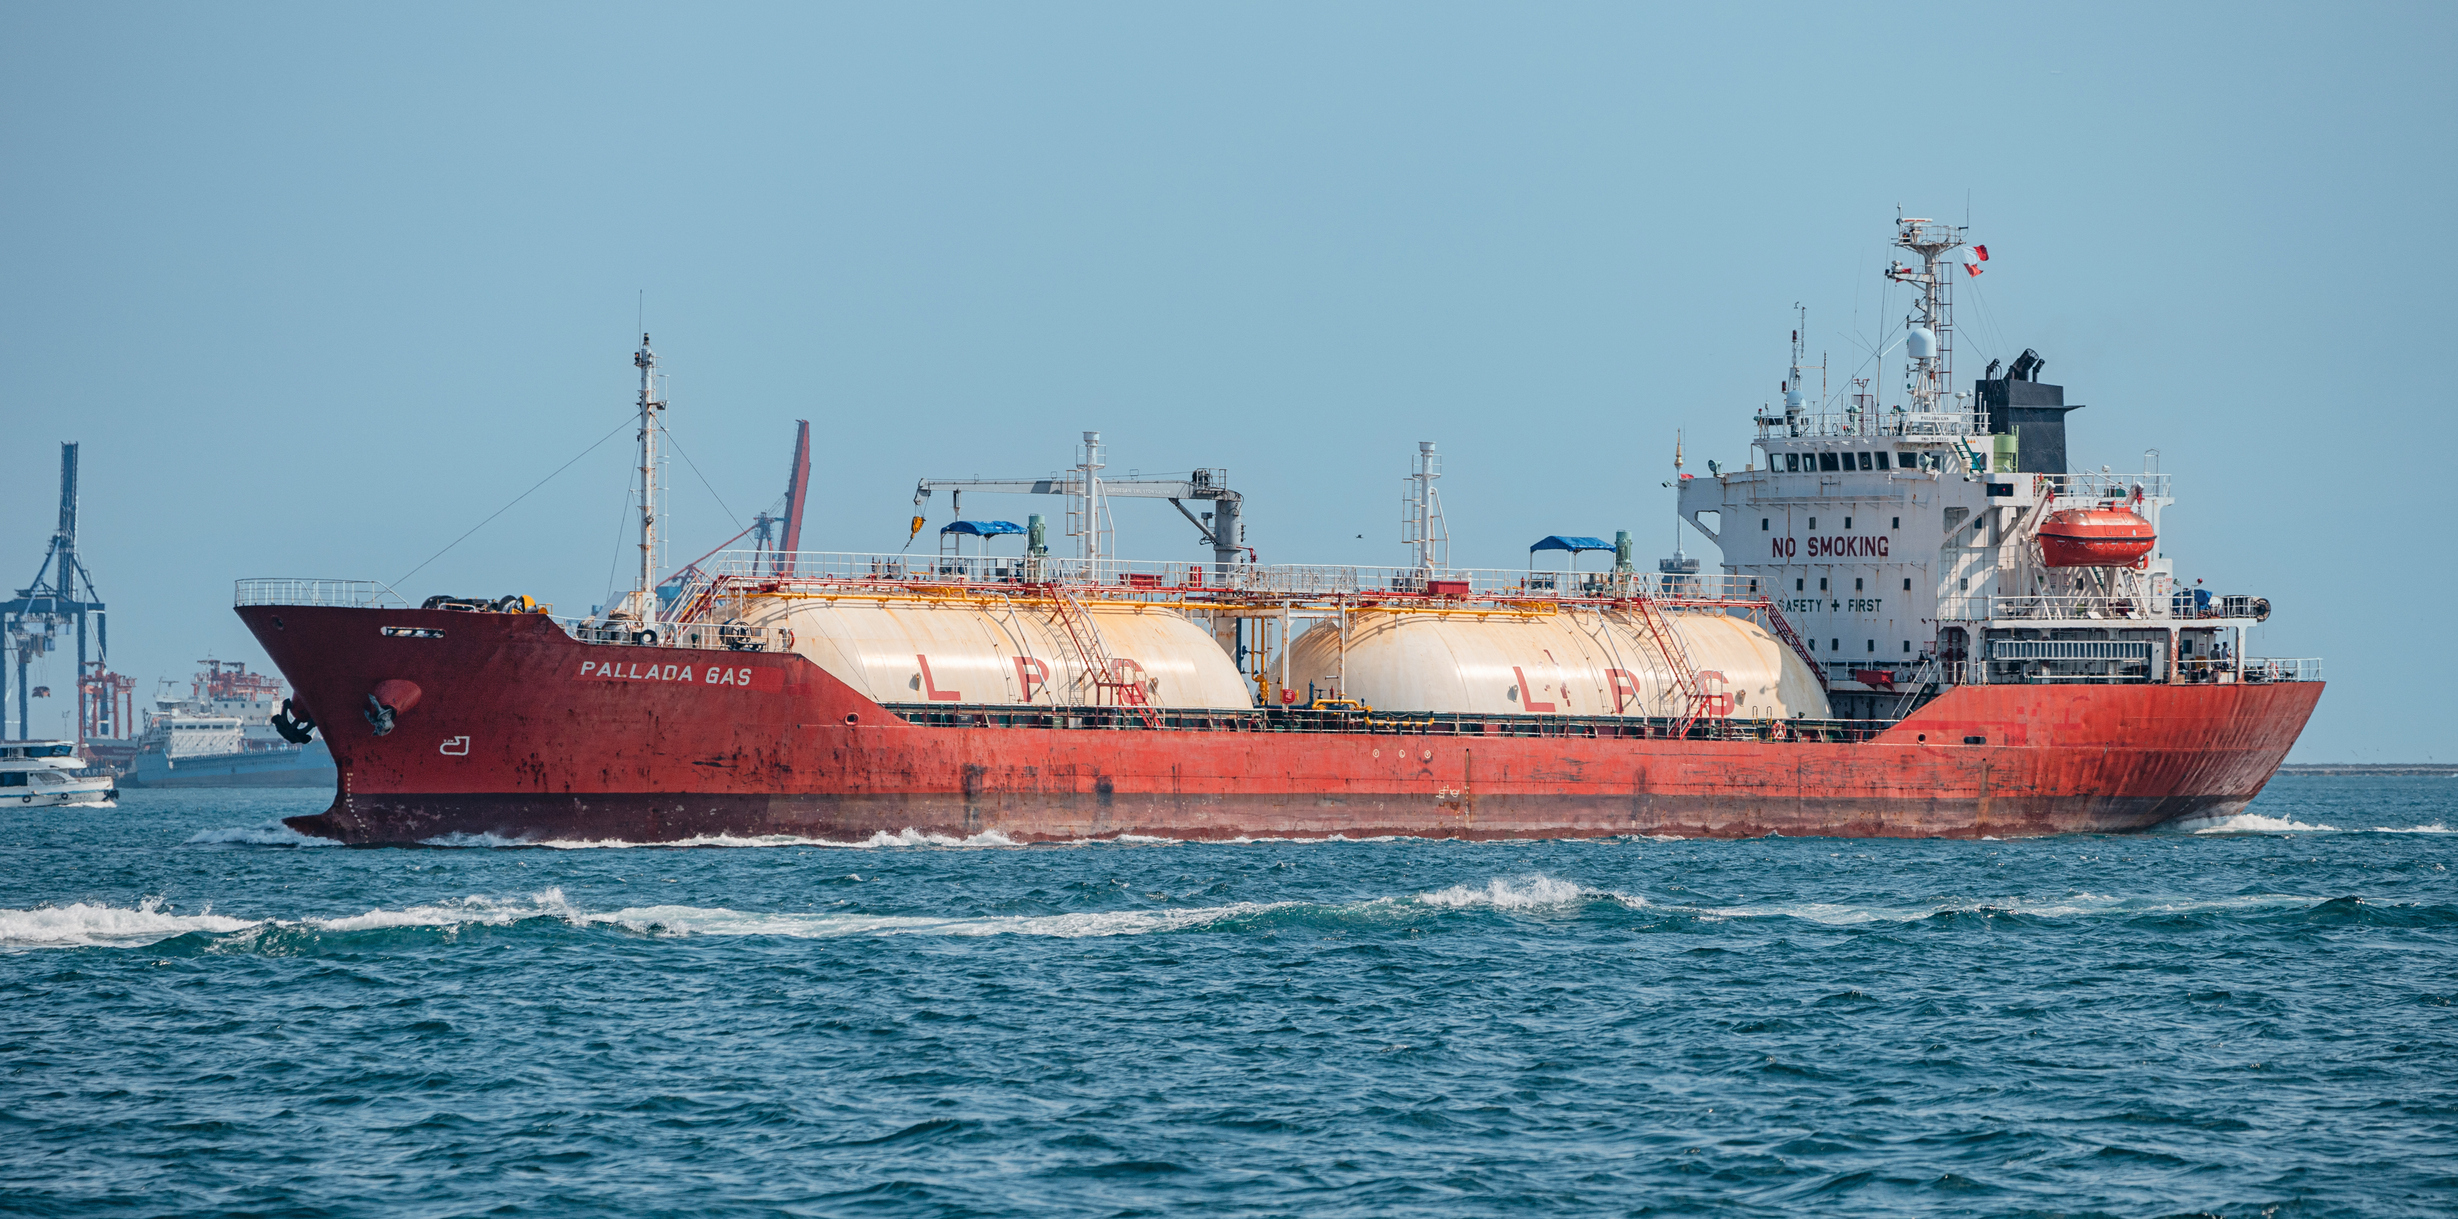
<point>1856,584</point>
<point>1864,461</point>
<point>1847,522</point>
<point>1826,462</point>
<point>1813,522</point>
<point>1881,455</point>
<point>1898,523</point>
<point>1763,524</point>
<point>1907,584</point>
<point>1834,645</point>
<point>1873,645</point>
<point>1822,584</point>
<point>1907,647</point>
<point>1796,586</point>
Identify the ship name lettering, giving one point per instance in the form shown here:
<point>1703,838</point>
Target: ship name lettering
<point>717,675</point>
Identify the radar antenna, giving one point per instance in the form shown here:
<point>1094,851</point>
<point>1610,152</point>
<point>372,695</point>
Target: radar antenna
<point>1928,341</point>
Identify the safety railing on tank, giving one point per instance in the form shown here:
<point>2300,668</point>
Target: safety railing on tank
<point>343,594</point>
<point>1134,577</point>
<point>842,567</point>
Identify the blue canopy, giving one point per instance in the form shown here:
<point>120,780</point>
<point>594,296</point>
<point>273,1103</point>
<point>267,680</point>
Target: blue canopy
<point>1573,545</point>
<point>982,529</point>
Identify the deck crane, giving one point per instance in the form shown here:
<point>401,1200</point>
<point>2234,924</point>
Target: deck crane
<point>1085,489</point>
<point>779,533</point>
<point>32,621</point>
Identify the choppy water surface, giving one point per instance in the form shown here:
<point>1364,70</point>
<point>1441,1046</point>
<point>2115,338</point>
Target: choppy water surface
<point>204,1017</point>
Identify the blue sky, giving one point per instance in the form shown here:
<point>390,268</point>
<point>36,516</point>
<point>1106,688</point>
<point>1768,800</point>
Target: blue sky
<point>318,287</point>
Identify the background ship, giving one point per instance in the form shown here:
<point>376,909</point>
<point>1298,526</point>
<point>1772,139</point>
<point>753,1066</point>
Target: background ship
<point>1985,644</point>
<point>221,735</point>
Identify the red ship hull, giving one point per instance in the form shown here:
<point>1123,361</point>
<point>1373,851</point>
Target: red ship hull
<point>519,731</point>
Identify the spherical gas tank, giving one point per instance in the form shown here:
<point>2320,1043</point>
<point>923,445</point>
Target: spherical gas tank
<point>1004,652</point>
<point>1577,661</point>
<point>2108,536</point>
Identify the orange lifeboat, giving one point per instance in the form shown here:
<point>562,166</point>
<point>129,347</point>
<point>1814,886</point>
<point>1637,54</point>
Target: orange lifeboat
<point>2095,537</point>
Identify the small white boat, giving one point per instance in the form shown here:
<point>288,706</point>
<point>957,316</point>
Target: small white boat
<point>41,773</point>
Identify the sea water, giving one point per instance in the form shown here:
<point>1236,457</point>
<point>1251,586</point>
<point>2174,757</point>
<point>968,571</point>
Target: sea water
<point>202,1013</point>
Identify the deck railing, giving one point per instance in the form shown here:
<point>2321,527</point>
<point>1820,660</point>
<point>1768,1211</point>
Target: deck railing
<point>699,636</point>
<point>2096,486</point>
<point>2040,607</point>
<point>1302,719</point>
<point>1139,577</point>
<point>344,594</point>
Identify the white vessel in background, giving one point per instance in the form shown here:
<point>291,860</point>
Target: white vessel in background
<point>42,773</point>
<point>223,734</point>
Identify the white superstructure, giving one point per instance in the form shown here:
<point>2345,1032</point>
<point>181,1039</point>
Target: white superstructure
<point>1903,542</point>
<point>227,710</point>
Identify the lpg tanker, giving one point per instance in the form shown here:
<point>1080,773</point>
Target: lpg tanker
<point>1925,625</point>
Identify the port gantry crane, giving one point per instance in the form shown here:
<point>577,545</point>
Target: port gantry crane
<point>30,622</point>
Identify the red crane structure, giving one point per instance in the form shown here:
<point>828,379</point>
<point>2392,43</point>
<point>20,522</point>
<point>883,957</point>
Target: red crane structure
<point>777,544</point>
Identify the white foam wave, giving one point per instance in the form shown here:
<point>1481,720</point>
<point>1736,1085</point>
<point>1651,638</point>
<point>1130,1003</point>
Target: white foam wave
<point>2435,828</point>
<point>474,840</point>
<point>1536,892</point>
<point>83,925</point>
<point>2255,823</point>
<point>486,911</point>
<point>2078,905</point>
<point>269,834</point>
<point>694,920</point>
<point>909,837</point>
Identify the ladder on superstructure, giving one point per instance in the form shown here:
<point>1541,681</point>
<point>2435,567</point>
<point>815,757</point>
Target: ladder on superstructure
<point>1783,631</point>
<point>1676,658</point>
<point>1099,668</point>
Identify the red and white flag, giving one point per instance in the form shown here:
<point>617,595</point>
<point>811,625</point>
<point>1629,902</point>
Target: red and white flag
<point>1980,254</point>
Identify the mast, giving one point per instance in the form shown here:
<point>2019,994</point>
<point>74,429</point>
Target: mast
<point>1084,507</point>
<point>1794,410</point>
<point>644,597</point>
<point>1929,339</point>
<point>1421,523</point>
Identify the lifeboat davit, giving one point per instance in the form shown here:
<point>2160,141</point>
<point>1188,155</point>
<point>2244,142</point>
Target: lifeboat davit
<point>2095,537</point>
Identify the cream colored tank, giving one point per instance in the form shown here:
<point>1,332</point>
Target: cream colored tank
<point>1576,661</point>
<point>918,651</point>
